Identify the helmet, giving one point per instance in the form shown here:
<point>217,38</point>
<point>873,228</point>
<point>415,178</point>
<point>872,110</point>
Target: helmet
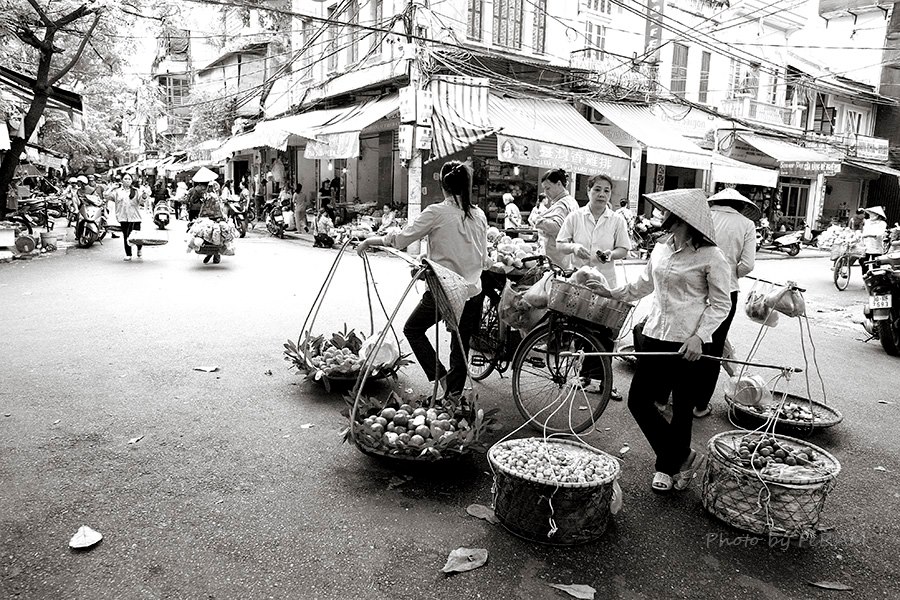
<point>82,179</point>
<point>71,180</point>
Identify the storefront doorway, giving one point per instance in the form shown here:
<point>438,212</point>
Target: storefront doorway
<point>794,201</point>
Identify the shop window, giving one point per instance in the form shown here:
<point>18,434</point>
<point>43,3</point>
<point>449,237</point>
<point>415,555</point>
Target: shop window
<point>824,117</point>
<point>703,93</point>
<point>679,69</point>
<point>508,23</point>
<point>476,19</point>
<point>540,26</point>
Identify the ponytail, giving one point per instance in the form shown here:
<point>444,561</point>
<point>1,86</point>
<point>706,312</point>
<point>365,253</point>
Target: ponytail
<point>456,179</point>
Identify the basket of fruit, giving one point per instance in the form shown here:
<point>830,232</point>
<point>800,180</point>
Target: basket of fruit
<point>790,413</point>
<point>580,301</point>
<point>416,431</point>
<point>767,484</point>
<point>554,491</point>
<point>507,253</point>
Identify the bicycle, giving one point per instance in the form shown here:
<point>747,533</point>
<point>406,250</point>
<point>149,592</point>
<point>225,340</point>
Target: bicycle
<point>494,343</point>
<point>843,260</point>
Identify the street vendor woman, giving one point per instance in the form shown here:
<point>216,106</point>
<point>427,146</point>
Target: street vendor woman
<point>690,280</point>
<point>550,221</point>
<point>457,240</point>
<point>595,235</point>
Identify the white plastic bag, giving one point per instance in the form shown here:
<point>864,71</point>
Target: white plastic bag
<point>387,354</point>
<point>538,295</point>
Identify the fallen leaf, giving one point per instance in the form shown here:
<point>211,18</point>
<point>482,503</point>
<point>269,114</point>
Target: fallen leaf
<point>7,414</point>
<point>624,449</point>
<point>56,422</point>
<point>135,440</point>
<point>287,435</point>
<point>268,372</point>
<point>881,469</point>
<point>885,402</point>
<point>465,559</point>
<point>398,480</point>
<point>480,511</point>
<point>85,537</point>
<point>576,590</point>
<point>307,426</point>
<point>582,408</point>
<point>207,369</point>
<point>831,585</point>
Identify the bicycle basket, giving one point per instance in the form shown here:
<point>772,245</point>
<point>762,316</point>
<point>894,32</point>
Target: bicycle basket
<point>583,303</point>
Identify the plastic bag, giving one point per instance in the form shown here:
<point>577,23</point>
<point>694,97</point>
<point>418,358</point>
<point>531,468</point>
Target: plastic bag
<point>787,300</point>
<point>538,295</point>
<point>749,390</point>
<point>516,312</point>
<point>757,310</point>
<point>387,354</point>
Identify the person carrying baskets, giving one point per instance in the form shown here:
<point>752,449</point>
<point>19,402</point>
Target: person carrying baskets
<point>457,240</point>
<point>691,279</point>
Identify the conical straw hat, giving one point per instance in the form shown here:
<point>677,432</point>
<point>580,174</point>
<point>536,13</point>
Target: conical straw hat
<point>749,208</point>
<point>690,206</point>
<point>204,175</point>
<point>876,210</point>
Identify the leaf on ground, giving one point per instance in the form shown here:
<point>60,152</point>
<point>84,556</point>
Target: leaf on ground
<point>831,585</point>
<point>85,537</point>
<point>135,440</point>
<point>624,449</point>
<point>881,469</point>
<point>465,559</point>
<point>56,422</point>
<point>307,426</point>
<point>268,372</point>
<point>576,590</point>
<point>207,369</point>
<point>398,480</point>
<point>480,511</point>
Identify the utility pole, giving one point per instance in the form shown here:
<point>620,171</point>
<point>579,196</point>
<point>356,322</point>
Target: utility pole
<point>414,164</point>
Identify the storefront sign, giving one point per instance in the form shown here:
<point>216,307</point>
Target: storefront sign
<point>405,141</point>
<point>653,30</point>
<point>675,158</point>
<point>809,169</point>
<point>424,136</point>
<point>553,156</point>
<point>416,106</point>
<point>870,148</point>
<point>333,145</point>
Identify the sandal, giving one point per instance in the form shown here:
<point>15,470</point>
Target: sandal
<point>661,482</point>
<point>689,470</point>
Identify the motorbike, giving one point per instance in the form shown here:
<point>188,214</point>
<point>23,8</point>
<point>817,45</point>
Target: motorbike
<point>275,217</point>
<point>779,241</point>
<point>237,213</point>
<point>162,214</point>
<point>882,313</point>
<point>91,224</point>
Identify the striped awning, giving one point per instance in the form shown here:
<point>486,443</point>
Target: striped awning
<point>461,117</point>
<point>664,145</point>
<point>550,134</point>
<point>339,136</point>
<point>793,160</point>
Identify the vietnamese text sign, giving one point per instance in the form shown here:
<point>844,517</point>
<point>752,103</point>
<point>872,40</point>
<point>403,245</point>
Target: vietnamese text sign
<point>533,153</point>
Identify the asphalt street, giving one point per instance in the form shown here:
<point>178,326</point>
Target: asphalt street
<point>208,485</point>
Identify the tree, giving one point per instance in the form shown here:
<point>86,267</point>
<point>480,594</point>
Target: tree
<point>56,45</point>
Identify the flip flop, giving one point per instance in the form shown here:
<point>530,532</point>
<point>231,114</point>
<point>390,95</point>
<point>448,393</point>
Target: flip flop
<point>684,477</point>
<point>661,482</point>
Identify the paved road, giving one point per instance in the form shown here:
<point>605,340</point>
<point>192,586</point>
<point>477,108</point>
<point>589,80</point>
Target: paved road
<point>225,495</point>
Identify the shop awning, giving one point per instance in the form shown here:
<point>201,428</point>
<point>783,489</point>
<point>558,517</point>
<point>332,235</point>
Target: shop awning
<point>552,134</point>
<point>874,167</point>
<point>665,146</point>
<point>461,117</point>
<point>339,137</point>
<point>728,170</point>
<point>793,160</point>
<point>245,141</point>
<point>4,137</point>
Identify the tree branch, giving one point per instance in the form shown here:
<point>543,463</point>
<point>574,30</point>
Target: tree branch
<point>40,11</point>
<point>76,14</point>
<point>68,67</point>
<point>29,37</point>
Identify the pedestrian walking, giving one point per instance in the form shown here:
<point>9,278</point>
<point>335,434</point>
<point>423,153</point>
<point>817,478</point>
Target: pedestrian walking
<point>457,240</point>
<point>873,232</point>
<point>554,185</point>
<point>733,217</point>
<point>690,281</point>
<point>128,198</point>
<point>299,202</point>
<point>181,191</point>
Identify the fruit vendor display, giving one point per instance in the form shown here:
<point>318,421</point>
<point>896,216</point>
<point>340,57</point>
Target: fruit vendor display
<point>405,430</point>
<point>554,463</point>
<point>342,355</point>
<point>208,232</point>
<point>506,253</point>
<point>789,411</point>
<point>776,455</point>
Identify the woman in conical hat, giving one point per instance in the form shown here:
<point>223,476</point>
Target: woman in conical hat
<point>690,280</point>
<point>873,232</point>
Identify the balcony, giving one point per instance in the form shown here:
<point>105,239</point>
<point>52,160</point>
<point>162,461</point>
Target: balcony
<point>746,107</point>
<point>604,69</point>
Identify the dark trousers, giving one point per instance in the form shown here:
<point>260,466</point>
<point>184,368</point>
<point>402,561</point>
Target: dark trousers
<point>654,379</point>
<point>176,206</point>
<point>707,386</point>
<point>193,214</point>
<point>127,228</point>
<point>423,318</point>
<point>865,259</point>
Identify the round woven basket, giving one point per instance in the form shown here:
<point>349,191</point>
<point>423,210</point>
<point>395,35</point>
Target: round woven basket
<point>760,503</point>
<point>583,303</point>
<point>529,507</point>
<point>824,416</point>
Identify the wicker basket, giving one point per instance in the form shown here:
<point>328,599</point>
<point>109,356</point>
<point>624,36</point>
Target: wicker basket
<point>583,303</point>
<point>528,507</point>
<point>761,503</point>
<point>824,416</point>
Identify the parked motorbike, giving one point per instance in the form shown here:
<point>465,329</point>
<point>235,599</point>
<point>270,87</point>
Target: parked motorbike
<point>91,224</point>
<point>162,214</point>
<point>237,213</point>
<point>882,313</point>
<point>779,241</point>
<point>275,217</point>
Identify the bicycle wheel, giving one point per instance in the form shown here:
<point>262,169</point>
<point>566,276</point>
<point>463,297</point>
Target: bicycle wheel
<point>485,345</point>
<point>842,272</point>
<point>550,390</point>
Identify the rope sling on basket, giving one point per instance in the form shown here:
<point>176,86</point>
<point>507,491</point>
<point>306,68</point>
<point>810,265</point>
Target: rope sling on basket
<point>342,356</point>
<point>424,430</point>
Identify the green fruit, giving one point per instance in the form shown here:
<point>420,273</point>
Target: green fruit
<point>381,421</point>
<point>423,431</point>
<point>400,419</point>
<point>405,408</point>
<point>388,413</point>
<point>416,440</point>
<point>419,411</point>
<point>377,428</point>
<point>765,451</point>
